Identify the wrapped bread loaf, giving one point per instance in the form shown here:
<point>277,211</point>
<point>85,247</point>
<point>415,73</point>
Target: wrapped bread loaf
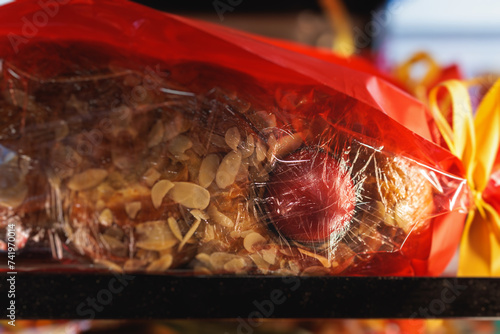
<point>148,165</point>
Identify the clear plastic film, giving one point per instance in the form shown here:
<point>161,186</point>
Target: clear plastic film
<point>181,165</point>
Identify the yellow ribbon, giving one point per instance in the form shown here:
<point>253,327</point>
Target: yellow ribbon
<point>418,85</point>
<point>475,140</point>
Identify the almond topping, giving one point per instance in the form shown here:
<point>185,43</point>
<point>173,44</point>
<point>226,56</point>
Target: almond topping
<point>235,265</point>
<point>156,134</point>
<point>287,144</point>
<point>151,176</point>
<point>269,255</point>
<point>190,195</point>
<point>199,215</point>
<point>162,264</point>
<point>87,180</point>
<point>204,258</point>
<point>160,189</point>
<point>110,265</point>
<point>190,233</point>
<point>179,145</point>
<point>219,217</point>
<point>252,240</point>
<point>154,236</point>
<point>248,147</point>
<point>323,260</point>
<point>106,217</point>
<point>208,170</point>
<point>219,259</point>
<point>228,169</point>
<point>174,227</point>
<point>260,151</point>
<point>233,138</point>
<point>132,209</point>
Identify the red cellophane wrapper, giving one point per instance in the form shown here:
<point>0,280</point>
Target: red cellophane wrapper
<point>146,141</point>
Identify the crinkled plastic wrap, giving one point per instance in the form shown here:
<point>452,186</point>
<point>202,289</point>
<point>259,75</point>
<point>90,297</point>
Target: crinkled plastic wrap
<point>144,142</point>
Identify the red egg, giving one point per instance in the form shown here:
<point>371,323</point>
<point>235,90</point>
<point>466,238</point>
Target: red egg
<point>310,196</point>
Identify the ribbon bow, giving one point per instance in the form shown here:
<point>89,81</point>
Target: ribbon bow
<point>475,140</point>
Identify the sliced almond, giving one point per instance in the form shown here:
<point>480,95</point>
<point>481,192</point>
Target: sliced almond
<point>174,227</point>
<point>233,138</point>
<point>200,270</point>
<point>228,169</point>
<point>133,264</point>
<point>190,195</point>
<point>199,214</point>
<point>269,255</point>
<point>243,234</point>
<point>235,234</point>
<point>174,127</point>
<point>314,271</point>
<point>235,265</point>
<point>260,151</point>
<point>179,145</point>
<point>156,245</point>
<point>248,147</point>
<point>190,233</point>
<point>132,209</point>
<point>87,180</point>
<point>219,217</point>
<point>115,246</point>
<point>260,262</point>
<point>252,240</point>
<point>204,258</point>
<point>267,118</point>
<point>219,259</point>
<point>162,264</point>
<point>287,144</point>
<point>110,265</point>
<point>323,260</point>
<point>106,217</point>
<point>151,176</point>
<point>271,143</point>
<point>160,189</point>
<point>208,170</point>
<point>209,233</point>
<point>294,267</point>
<point>154,236</point>
<point>156,134</point>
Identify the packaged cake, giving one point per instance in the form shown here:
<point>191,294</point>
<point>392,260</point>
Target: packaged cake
<point>142,141</point>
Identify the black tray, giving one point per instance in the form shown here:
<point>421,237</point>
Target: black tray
<point>106,296</point>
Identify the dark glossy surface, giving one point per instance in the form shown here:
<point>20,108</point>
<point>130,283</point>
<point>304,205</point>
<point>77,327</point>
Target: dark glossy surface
<point>104,296</point>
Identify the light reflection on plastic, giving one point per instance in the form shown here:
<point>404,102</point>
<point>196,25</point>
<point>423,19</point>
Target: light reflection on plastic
<point>6,155</point>
<point>176,92</point>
